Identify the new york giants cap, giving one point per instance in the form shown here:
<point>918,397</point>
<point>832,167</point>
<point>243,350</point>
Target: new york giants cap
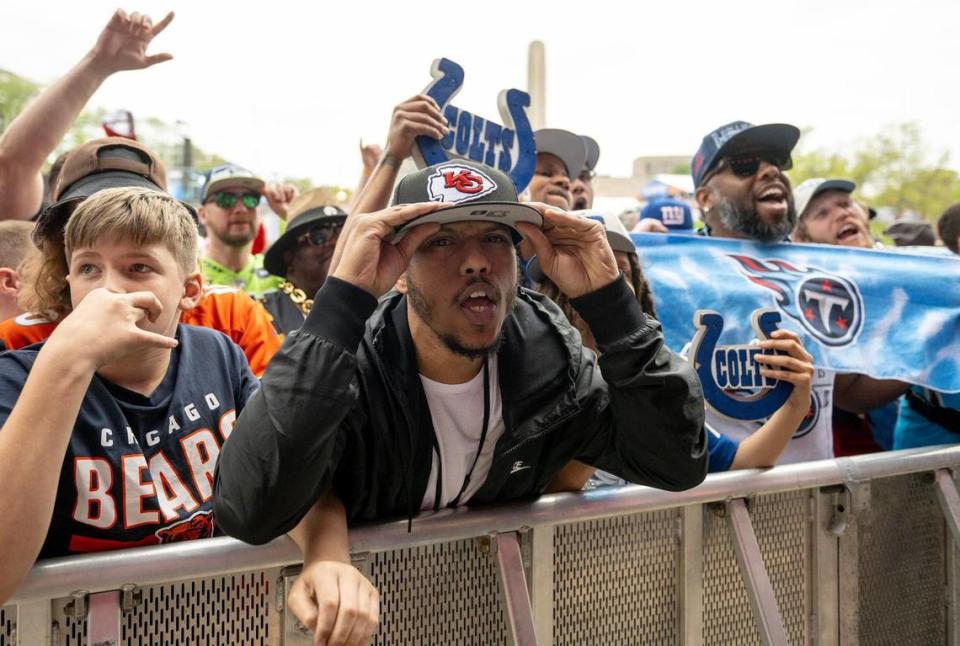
<point>674,214</point>
<point>480,192</point>
<point>740,138</point>
<point>806,191</point>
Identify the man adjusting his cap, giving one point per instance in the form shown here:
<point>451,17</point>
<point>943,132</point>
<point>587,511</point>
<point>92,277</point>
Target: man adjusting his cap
<point>458,387</point>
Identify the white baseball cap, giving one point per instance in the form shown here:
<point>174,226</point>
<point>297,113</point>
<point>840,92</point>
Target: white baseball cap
<point>806,191</point>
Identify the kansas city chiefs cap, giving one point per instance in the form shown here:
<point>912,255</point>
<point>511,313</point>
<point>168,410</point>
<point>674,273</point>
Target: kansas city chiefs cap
<point>482,193</point>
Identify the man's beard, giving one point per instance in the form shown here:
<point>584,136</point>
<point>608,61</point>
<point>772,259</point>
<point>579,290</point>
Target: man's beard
<point>424,310</point>
<point>235,240</point>
<point>747,222</point>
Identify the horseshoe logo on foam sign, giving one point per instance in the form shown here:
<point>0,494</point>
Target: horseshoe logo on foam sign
<point>730,375</point>
<point>508,146</point>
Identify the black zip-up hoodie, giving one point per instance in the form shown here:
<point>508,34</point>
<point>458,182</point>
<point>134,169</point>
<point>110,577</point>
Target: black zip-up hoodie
<point>341,404</point>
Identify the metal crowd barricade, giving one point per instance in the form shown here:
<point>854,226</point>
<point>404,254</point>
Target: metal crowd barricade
<point>851,551</point>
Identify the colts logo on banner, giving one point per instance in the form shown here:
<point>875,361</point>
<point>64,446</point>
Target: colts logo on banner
<point>828,306</point>
<point>456,183</point>
<point>730,374</point>
<point>509,147</point>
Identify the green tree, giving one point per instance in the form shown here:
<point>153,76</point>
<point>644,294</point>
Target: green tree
<point>896,168</point>
<point>15,93</point>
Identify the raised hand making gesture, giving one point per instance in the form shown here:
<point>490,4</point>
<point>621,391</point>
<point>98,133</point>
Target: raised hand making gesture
<point>123,43</point>
<point>36,132</point>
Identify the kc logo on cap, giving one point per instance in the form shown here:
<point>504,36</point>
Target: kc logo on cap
<point>454,183</point>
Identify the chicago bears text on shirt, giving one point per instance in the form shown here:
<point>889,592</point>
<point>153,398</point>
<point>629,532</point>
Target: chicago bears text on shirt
<point>176,478</point>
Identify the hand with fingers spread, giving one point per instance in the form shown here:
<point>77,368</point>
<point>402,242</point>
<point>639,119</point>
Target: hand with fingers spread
<point>337,603</point>
<point>103,327</point>
<point>123,43</point>
<point>419,115</point>
<point>795,366</point>
<point>279,196</point>
<point>573,251</point>
<point>365,254</point>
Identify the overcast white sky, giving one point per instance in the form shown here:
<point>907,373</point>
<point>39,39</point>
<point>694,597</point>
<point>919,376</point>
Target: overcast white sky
<point>288,88</point>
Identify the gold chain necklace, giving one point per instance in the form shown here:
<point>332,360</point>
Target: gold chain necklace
<point>298,296</point>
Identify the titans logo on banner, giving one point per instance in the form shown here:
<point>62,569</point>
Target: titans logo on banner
<point>828,306</point>
<point>730,374</point>
<point>508,146</point>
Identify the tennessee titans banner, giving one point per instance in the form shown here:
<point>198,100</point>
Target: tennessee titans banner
<point>888,314</point>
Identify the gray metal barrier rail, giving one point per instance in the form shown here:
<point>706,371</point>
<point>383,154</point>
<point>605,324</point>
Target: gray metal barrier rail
<point>850,551</point>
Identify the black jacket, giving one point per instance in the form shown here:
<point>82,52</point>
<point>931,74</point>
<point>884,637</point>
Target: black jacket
<point>342,404</point>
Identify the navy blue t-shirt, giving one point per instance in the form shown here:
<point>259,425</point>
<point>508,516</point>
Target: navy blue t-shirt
<point>139,470</point>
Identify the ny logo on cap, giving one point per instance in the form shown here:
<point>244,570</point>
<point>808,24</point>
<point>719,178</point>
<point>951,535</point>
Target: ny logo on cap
<point>458,183</point>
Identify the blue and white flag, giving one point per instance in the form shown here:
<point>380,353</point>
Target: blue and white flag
<point>887,314</point>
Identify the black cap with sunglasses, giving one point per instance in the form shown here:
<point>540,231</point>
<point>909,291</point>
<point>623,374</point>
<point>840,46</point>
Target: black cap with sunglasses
<point>742,146</point>
<point>311,221</point>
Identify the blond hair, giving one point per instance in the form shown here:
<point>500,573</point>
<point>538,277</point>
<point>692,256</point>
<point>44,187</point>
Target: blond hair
<point>15,242</point>
<point>137,215</point>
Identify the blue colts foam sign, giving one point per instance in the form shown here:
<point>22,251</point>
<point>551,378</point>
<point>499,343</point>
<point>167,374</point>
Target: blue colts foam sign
<point>730,374</point>
<point>508,146</point>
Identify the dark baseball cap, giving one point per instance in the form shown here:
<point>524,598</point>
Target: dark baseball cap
<point>570,148</point>
<point>912,233</point>
<point>308,210</point>
<point>481,193</point>
<point>742,138</point>
<point>110,162</point>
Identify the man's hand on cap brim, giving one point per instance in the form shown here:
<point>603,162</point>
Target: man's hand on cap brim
<point>572,250</point>
<point>365,254</point>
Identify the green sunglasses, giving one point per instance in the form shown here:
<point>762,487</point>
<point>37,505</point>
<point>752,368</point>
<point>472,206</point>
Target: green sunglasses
<point>228,200</point>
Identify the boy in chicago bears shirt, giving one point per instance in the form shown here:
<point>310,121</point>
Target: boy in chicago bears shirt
<point>110,429</point>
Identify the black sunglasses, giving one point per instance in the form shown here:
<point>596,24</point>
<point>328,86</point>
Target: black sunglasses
<point>319,236</point>
<point>744,166</point>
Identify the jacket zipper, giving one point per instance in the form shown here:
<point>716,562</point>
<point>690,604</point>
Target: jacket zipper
<point>536,436</point>
<point>408,417</point>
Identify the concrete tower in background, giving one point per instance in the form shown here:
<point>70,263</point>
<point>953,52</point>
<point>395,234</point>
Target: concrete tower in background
<point>537,84</point>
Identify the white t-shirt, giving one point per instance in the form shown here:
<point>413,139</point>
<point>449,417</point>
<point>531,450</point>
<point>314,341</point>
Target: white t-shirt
<point>812,441</point>
<point>457,413</point>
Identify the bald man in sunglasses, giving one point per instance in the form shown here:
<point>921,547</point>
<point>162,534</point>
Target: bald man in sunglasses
<point>743,193</point>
